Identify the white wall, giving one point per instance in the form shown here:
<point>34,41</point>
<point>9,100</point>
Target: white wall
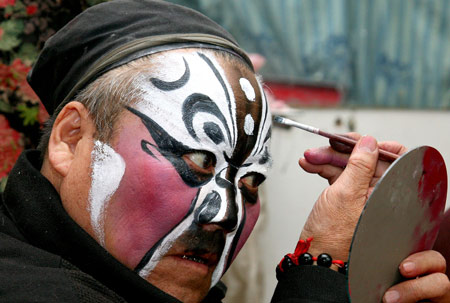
<point>289,193</point>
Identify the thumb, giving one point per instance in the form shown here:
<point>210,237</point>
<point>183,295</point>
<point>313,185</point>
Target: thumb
<point>355,180</point>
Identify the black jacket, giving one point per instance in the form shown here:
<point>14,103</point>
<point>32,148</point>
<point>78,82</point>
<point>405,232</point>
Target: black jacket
<point>46,257</point>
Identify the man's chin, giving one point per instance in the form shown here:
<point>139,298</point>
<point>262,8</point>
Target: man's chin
<point>187,278</point>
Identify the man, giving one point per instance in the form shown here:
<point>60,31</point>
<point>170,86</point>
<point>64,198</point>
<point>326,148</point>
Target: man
<point>146,186</point>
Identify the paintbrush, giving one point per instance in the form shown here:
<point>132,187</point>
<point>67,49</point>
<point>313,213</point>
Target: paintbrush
<point>338,138</point>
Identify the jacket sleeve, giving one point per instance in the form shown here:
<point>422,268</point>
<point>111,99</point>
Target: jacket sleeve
<point>311,284</point>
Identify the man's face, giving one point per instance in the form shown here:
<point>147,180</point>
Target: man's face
<point>175,194</point>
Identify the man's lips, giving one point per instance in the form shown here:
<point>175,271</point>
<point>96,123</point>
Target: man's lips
<point>206,258</point>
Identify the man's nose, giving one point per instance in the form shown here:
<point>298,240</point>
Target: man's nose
<point>218,209</point>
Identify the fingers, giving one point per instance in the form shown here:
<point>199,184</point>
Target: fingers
<point>343,148</point>
<point>357,176</point>
<point>329,172</point>
<point>422,263</point>
<point>326,155</point>
<point>435,287</point>
<point>330,157</point>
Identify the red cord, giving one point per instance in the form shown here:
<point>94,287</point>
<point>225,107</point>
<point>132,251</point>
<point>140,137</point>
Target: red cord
<point>301,248</point>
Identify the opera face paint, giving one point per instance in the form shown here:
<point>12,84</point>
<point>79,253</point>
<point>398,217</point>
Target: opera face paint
<point>108,168</point>
<point>196,148</point>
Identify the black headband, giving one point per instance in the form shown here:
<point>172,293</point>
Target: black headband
<point>114,33</point>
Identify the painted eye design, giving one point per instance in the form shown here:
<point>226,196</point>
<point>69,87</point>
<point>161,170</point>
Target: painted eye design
<point>248,185</point>
<point>202,162</point>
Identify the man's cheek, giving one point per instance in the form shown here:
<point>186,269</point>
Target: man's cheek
<point>151,200</point>
<point>252,211</point>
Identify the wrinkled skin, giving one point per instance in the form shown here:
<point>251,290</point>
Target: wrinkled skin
<point>173,195</point>
<point>352,178</point>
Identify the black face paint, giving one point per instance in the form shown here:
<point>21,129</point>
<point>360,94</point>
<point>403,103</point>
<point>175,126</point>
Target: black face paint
<point>212,130</point>
<point>172,150</point>
<point>223,183</point>
<point>236,238</point>
<point>222,83</point>
<point>168,86</point>
<point>209,208</point>
<point>265,157</point>
<point>226,128</point>
<point>197,103</point>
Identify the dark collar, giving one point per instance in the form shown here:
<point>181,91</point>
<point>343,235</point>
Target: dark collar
<point>35,207</point>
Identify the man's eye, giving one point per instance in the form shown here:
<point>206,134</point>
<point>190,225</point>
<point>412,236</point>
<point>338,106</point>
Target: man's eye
<point>200,161</point>
<point>248,185</point>
<point>253,180</point>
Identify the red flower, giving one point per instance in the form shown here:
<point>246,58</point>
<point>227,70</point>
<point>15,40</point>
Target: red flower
<point>10,146</point>
<point>6,77</point>
<point>14,75</point>
<point>31,9</point>
<point>5,3</point>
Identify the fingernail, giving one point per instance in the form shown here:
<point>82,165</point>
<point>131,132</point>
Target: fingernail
<point>367,144</point>
<point>391,296</point>
<point>408,266</point>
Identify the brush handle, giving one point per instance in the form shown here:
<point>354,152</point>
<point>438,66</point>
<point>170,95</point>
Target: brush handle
<point>391,157</point>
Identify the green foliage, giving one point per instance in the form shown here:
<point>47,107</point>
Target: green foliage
<point>12,29</point>
<point>3,184</point>
<point>27,52</point>
<point>29,114</point>
<point>5,107</point>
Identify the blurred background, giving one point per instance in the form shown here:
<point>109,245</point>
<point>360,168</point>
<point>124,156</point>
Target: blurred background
<point>376,67</point>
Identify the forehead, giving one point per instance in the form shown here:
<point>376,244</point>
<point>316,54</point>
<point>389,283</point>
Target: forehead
<point>205,100</point>
<point>198,100</point>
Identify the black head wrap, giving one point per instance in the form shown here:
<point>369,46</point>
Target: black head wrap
<point>114,33</point>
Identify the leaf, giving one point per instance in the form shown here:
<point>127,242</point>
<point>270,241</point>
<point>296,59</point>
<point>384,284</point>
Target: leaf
<point>5,107</point>
<point>28,114</point>
<point>27,52</point>
<point>11,31</point>
<point>3,184</point>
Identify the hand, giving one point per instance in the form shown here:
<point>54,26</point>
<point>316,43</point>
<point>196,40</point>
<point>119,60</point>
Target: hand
<point>329,162</point>
<point>334,216</point>
<point>427,280</point>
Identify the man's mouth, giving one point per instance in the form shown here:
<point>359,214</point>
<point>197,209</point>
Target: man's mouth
<point>194,259</point>
<point>206,258</point>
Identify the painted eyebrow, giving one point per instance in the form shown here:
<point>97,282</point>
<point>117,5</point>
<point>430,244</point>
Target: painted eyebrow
<point>222,82</point>
<point>172,85</point>
<point>263,125</point>
<point>196,103</point>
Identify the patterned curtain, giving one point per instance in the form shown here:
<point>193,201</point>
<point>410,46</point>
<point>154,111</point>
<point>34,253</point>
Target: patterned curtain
<point>380,53</point>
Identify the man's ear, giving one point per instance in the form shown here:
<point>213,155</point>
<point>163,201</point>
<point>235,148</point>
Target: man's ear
<point>72,125</point>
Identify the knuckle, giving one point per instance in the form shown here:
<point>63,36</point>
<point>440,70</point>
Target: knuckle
<point>362,164</point>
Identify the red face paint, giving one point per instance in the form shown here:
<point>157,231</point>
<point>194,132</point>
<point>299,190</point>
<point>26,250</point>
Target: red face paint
<point>195,148</point>
<point>150,201</point>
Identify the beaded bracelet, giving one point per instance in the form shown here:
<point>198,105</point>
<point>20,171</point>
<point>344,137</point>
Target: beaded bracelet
<point>302,257</point>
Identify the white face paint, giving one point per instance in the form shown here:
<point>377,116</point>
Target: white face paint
<point>247,88</point>
<point>189,108</point>
<point>249,125</point>
<point>108,168</point>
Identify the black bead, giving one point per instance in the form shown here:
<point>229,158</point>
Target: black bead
<point>324,260</point>
<point>343,269</point>
<point>305,259</point>
<point>287,263</point>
